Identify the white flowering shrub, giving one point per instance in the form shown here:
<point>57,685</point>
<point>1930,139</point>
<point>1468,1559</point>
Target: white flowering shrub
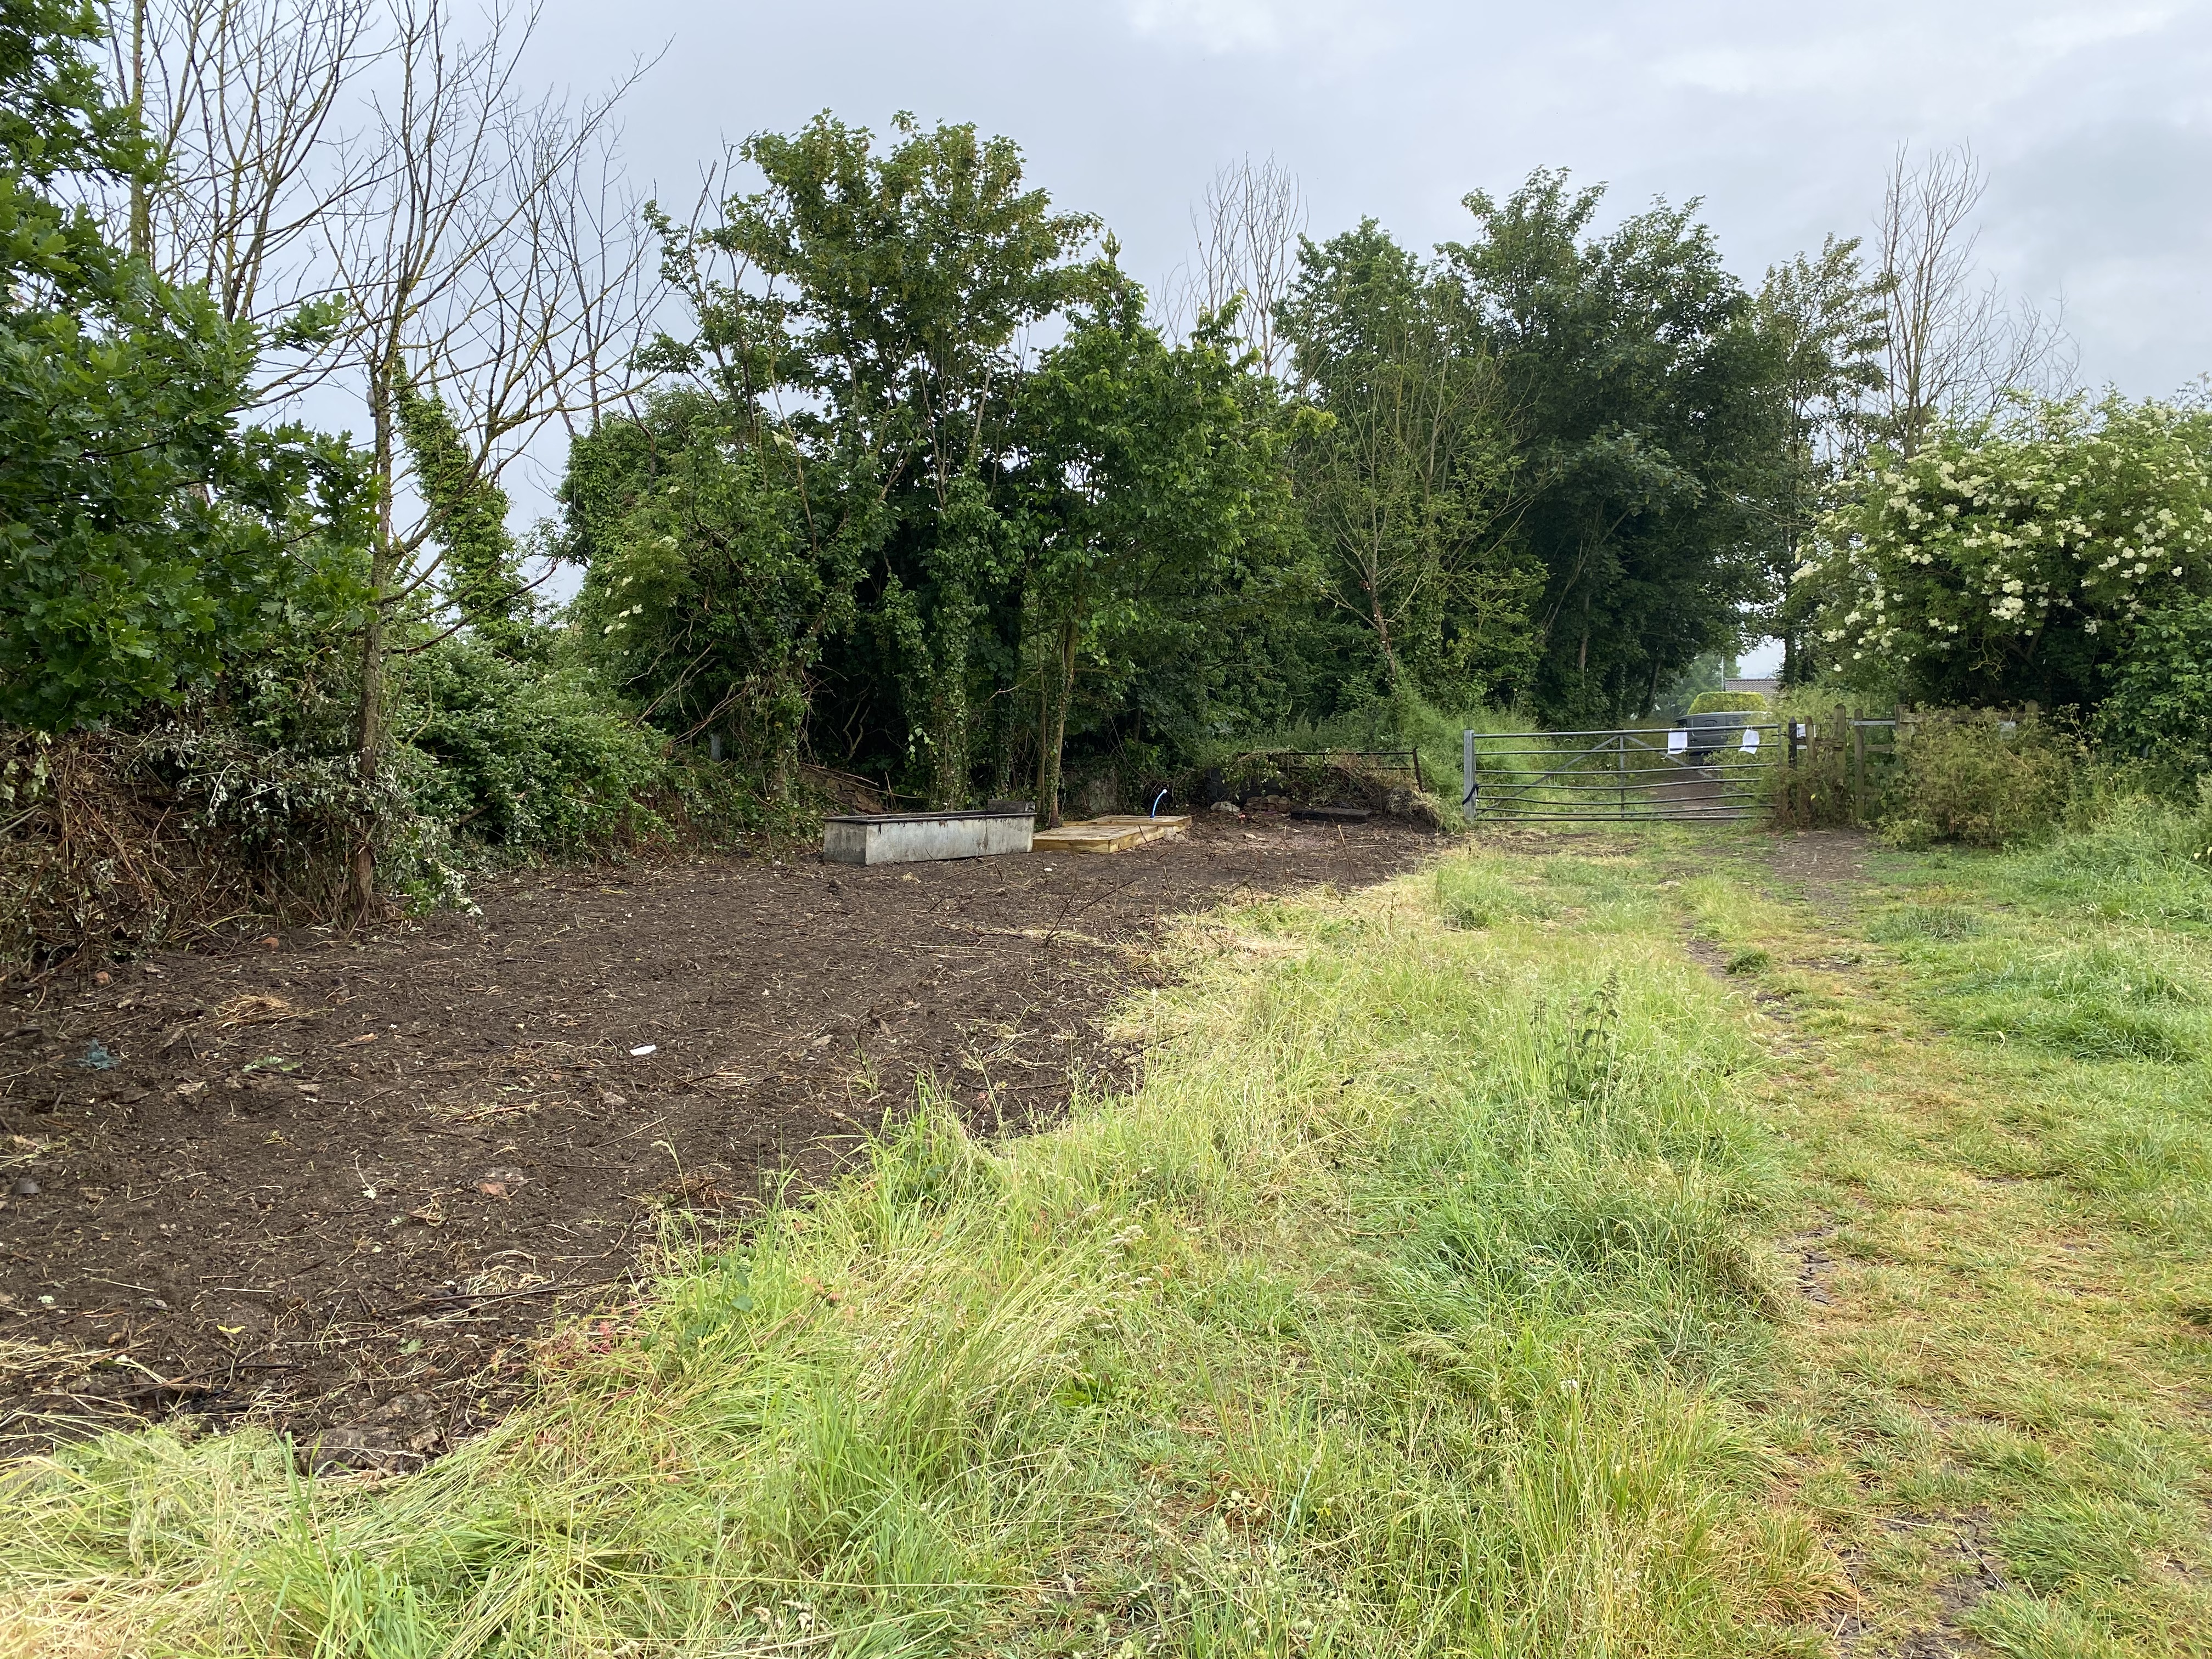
<point>2010,561</point>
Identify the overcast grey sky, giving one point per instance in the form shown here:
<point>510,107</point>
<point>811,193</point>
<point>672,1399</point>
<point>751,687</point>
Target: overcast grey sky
<point>2094,121</point>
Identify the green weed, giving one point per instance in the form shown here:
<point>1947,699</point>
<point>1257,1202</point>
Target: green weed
<point>1472,895</point>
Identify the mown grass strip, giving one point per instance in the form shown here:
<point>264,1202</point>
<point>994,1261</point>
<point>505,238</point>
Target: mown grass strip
<point>1994,1075</point>
<point>1408,1307</point>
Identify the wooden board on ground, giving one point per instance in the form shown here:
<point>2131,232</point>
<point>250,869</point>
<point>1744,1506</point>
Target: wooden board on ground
<point>1115,833</point>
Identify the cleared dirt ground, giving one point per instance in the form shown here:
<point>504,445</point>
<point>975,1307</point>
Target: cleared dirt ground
<point>342,1183</point>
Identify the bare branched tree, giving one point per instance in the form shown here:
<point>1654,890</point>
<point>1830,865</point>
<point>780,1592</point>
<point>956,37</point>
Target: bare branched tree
<point>379,170</point>
<point>1955,346</point>
<point>246,103</point>
<point>497,264</point>
<point>1246,227</point>
<point>1408,492</point>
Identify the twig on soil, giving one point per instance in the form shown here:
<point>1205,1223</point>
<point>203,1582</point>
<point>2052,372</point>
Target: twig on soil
<point>443,1301</point>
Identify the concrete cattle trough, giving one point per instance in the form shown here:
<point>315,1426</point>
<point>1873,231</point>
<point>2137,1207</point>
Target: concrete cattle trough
<point>917,837</point>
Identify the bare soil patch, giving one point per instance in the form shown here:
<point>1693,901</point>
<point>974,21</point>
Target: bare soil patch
<point>340,1184</point>
<point>1828,866</point>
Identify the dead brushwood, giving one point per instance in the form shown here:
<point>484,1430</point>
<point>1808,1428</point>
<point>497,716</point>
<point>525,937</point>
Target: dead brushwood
<point>111,846</point>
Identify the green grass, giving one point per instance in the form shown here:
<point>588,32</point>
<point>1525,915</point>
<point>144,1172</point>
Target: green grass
<point>1475,1273</point>
<point>2091,950</point>
<point>2001,1111</point>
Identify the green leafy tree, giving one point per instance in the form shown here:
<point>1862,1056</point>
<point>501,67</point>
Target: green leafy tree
<point>2160,709</point>
<point>1646,409</point>
<point>148,536</point>
<point>1156,491</point>
<point>2016,560</point>
<point>1408,481</point>
<point>719,557</point>
<point>881,292</point>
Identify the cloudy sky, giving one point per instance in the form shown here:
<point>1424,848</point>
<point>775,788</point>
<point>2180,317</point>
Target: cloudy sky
<point>2093,121</point>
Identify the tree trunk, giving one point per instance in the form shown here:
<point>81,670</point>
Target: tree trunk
<point>1007,728</point>
<point>1057,692</point>
<point>362,904</point>
<point>948,723</point>
<point>785,720</point>
<point>1389,651</point>
<point>361,900</point>
<point>142,215</point>
<point>1005,735</point>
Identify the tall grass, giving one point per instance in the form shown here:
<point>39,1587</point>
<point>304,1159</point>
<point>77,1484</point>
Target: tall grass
<point>1402,1310</point>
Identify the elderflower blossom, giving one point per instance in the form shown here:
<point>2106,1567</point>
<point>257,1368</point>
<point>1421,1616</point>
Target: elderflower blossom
<point>2000,532</point>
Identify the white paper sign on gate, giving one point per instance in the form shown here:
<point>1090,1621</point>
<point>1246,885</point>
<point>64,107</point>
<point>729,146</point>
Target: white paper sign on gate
<point>1750,739</point>
<point>1677,742</point>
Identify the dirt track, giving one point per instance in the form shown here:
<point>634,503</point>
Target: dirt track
<point>340,1182</point>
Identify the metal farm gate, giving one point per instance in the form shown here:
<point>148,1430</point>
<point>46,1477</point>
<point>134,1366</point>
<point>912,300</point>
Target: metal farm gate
<point>1709,774</point>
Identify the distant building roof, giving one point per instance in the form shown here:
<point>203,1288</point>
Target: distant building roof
<point>1765,688</point>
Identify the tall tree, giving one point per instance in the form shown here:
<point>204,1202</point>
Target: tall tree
<point>1155,487</point>
<point>718,558</point>
<point>883,292</point>
<point>150,536</point>
<point>491,265</point>
<point>374,183</point>
<point>1954,347</point>
<point>1247,227</point>
<point>1825,321</point>
<point>1408,481</point>
<point>1644,398</point>
<point>251,108</point>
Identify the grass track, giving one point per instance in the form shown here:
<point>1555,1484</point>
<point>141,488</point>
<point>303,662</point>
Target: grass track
<point>1991,1073</point>
<point>1475,1273</point>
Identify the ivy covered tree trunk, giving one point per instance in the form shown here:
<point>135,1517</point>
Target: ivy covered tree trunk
<point>948,710</point>
<point>1391,669</point>
<point>777,710</point>
<point>1006,724</point>
<point>467,519</point>
<point>948,716</point>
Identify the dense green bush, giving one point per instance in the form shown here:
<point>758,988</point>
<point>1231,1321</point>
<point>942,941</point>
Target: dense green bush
<point>1727,703</point>
<point>2013,560</point>
<point>2160,712</point>
<point>523,758</point>
<point>155,534</point>
<point>1967,775</point>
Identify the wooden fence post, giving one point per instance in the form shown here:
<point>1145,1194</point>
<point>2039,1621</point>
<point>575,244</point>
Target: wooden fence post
<point>1858,773</point>
<point>1789,780</point>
